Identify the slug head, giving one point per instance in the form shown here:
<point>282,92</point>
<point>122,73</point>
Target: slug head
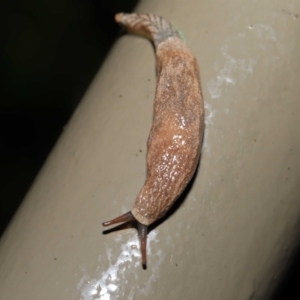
<point>142,231</point>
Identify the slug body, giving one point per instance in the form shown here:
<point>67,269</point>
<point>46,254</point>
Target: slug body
<point>175,138</point>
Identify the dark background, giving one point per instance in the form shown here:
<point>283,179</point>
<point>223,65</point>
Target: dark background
<point>50,51</point>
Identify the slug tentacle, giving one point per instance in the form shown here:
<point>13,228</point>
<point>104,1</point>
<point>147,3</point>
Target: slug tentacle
<point>121,219</point>
<point>175,137</point>
<point>142,230</point>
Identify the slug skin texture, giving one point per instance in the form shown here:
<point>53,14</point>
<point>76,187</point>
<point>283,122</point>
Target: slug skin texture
<point>176,134</point>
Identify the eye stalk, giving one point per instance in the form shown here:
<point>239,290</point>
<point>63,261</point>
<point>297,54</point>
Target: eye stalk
<point>142,231</point>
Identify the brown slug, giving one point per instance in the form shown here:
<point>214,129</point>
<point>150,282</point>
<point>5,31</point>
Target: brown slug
<point>176,135</point>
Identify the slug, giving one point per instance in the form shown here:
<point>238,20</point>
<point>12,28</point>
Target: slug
<point>175,138</point>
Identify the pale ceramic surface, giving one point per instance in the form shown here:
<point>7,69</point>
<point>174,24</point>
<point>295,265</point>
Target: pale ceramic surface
<point>237,226</point>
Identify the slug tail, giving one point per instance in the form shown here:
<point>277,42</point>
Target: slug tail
<point>142,229</point>
<point>151,26</point>
<point>121,219</point>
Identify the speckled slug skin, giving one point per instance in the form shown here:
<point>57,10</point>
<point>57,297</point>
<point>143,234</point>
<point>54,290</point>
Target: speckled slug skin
<point>175,138</point>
